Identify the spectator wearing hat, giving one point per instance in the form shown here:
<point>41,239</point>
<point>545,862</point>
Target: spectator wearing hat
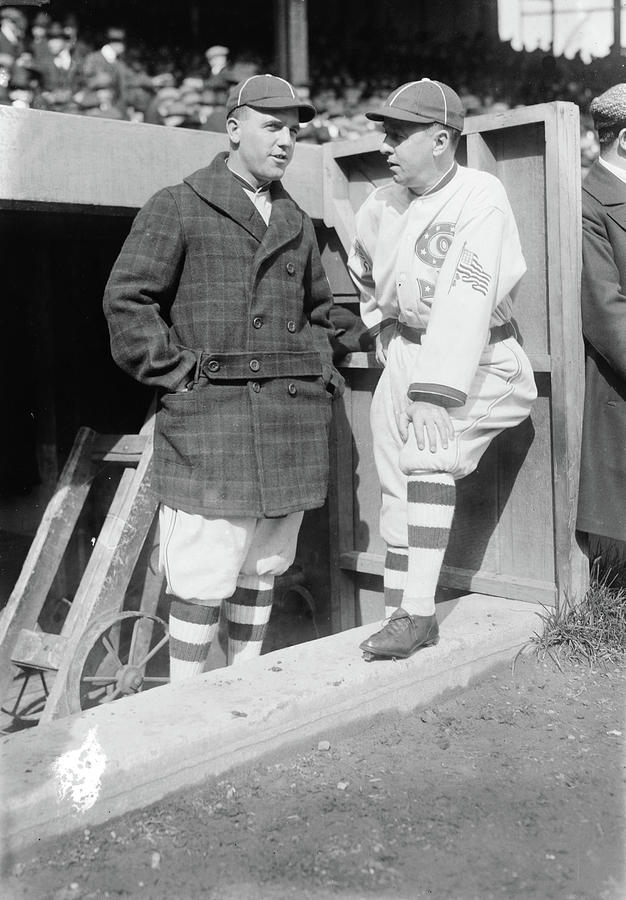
<point>219,299</point>
<point>436,258</point>
<point>108,60</point>
<point>59,71</point>
<point>217,58</point>
<point>6,68</point>
<point>13,24</point>
<point>602,495</point>
<point>24,86</point>
<point>39,36</point>
<point>78,47</point>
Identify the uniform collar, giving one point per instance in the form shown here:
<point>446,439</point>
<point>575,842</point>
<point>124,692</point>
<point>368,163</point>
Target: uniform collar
<point>445,179</point>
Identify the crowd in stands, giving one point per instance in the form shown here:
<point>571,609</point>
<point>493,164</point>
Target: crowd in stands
<point>52,65</point>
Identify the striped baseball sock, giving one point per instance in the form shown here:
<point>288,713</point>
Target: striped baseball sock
<point>247,615</point>
<point>192,628</point>
<point>394,578</point>
<point>430,509</point>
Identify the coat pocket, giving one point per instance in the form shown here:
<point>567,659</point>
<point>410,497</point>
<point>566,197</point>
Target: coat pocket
<point>177,430</point>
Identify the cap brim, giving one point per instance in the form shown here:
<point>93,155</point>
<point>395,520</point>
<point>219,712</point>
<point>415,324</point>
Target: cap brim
<point>401,115</point>
<point>306,111</point>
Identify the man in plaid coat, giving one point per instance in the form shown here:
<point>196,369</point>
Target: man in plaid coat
<point>219,299</point>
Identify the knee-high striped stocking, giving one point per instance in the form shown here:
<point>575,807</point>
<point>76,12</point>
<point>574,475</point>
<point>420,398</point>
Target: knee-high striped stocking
<point>192,628</point>
<point>395,575</point>
<point>431,500</point>
<point>247,616</point>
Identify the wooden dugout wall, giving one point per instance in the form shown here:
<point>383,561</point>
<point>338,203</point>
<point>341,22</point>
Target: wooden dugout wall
<point>514,533</point>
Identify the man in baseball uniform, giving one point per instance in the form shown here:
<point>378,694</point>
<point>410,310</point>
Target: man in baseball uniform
<point>437,259</point>
<point>218,298</point>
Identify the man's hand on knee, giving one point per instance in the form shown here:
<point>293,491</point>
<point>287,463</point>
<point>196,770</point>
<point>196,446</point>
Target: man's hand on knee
<point>432,425</point>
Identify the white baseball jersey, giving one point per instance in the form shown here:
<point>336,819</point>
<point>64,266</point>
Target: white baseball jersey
<point>446,262</point>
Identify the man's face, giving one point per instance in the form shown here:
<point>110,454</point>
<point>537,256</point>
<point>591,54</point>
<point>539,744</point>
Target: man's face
<point>264,142</point>
<point>56,44</point>
<point>408,151</point>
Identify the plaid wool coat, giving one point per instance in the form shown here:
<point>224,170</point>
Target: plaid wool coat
<point>205,295</point>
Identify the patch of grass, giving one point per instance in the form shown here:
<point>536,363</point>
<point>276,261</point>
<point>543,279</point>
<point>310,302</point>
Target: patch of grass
<point>593,631</point>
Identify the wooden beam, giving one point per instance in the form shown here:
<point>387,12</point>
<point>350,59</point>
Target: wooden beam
<point>566,343</point>
<point>482,582</point>
<point>82,163</point>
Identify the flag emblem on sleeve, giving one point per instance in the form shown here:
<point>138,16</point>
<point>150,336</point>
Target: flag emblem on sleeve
<point>469,269</point>
<point>358,251</point>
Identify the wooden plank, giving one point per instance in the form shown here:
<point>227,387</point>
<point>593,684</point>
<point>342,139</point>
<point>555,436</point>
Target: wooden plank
<point>120,448</point>
<point>563,218</point>
<point>479,154</point>
<point>39,650</point>
<point>368,143</point>
<point>340,512</point>
<point>60,159</point>
<point>105,580</point>
<point>510,118</point>
<point>526,589</point>
<point>338,210</point>
<point>46,552</point>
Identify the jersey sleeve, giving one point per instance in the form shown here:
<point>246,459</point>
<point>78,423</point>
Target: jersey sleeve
<point>482,266</point>
<point>360,268</point>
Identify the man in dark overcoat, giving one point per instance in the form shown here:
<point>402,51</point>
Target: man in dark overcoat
<point>602,499</point>
<point>219,299</point>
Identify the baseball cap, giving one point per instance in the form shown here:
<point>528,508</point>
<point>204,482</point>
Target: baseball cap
<point>268,92</point>
<point>422,101</point>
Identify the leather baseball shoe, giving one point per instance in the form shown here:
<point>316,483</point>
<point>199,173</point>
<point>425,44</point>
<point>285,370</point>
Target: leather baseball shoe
<point>401,636</point>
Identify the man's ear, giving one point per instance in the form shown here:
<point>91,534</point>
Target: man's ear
<point>233,127</point>
<point>441,141</point>
<point>621,140</point>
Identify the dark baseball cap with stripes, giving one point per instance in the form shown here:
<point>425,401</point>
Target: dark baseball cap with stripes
<point>268,92</point>
<point>423,102</point>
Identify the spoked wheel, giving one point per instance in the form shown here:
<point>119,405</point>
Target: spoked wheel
<point>120,655</point>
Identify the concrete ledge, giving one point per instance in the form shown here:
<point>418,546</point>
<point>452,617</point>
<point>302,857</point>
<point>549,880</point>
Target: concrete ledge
<point>83,770</point>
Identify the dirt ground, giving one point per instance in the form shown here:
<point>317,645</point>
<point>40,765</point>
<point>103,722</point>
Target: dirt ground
<point>511,789</point>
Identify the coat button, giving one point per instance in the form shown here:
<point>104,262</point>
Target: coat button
<point>291,269</point>
<point>213,365</point>
<point>291,326</point>
<point>293,390</point>
<point>256,387</point>
<point>257,321</point>
<point>255,365</point>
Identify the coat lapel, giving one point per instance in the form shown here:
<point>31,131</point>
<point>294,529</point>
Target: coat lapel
<point>218,188</point>
<point>608,190</point>
<point>285,224</point>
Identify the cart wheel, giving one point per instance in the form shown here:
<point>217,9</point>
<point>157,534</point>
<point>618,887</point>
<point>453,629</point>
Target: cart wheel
<point>118,657</point>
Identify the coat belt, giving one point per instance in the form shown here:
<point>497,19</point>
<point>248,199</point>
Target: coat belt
<point>263,364</point>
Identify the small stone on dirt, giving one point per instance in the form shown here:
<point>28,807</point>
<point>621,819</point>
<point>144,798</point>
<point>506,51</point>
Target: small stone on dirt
<point>323,745</point>
<point>342,785</point>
